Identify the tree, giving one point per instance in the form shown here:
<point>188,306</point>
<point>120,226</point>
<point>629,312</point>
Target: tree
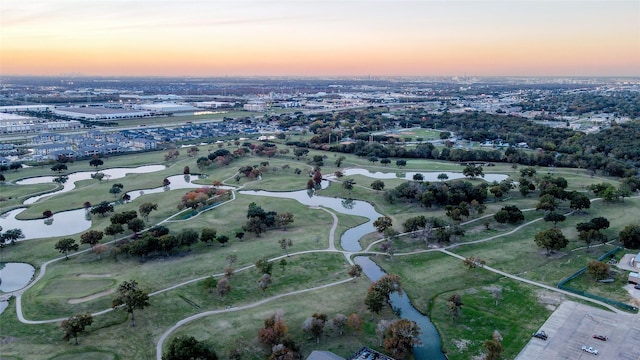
<point>401,163</point>
<point>598,269</point>
<point>348,184</point>
<point>91,237</point>
<point>274,330</point>
<point>264,282</point>
<point>509,214</point>
<point>374,300</point>
<point>554,217</point>
<point>473,262</point>
<point>494,349</point>
<point>186,347</point>
<point>454,304</point>
<point>75,325</point>
<point>382,224</point>
<point>255,225</point>
<point>99,249</point>
<point>186,170</point>
<point>551,239</point>
<point>264,266</point>
<point>473,171</point>
<point>146,208</point>
<point>11,236</point>
<point>354,322</point>
<point>207,235</point>
<point>136,225</point>
<point>283,220</point>
<point>231,259</point>
<point>115,190</point>
<point>630,236</point>
<point>102,208</point>
<point>317,178</point>
<point>418,177</point>
<point>123,217</point>
<point>355,271</point>
<point>96,162</point>
<point>400,338</point>
<point>223,288</point>
<point>239,235</point>
<point>339,161</point>
<point>377,185</point>
<point>547,202</point>
<point>443,177</point>
<point>285,244</point>
<point>222,239</point>
<point>209,284</point>
<point>339,321</point>
<point>59,167</point>
<point>314,325</point>
<point>65,245</point>
<point>113,230</point>
<point>188,237</point>
<point>131,298</point>
<point>579,201</point>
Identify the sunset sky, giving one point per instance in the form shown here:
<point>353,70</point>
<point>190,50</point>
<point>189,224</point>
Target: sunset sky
<point>320,37</point>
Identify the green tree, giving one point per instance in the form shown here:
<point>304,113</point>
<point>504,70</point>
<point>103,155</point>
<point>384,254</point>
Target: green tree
<point>75,325</point>
<point>207,235</point>
<point>472,171</point>
<point>136,225</point>
<point>102,208</point>
<point>113,230</point>
<point>146,208</point>
<point>598,269</point>
<point>223,288</point>
<point>186,347</point>
<point>209,284</point>
<point>630,236</point>
<point>454,304</point>
<point>65,245</point>
<point>494,349</point>
<point>554,217</point>
<point>551,239</point>
<point>285,244</point>
<point>131,298</point>
<point>188,237</point>
<point>382,224</point>
<point>377,185</point>
<point>96,162</point>
<point>348,184</point>
<point>59,167</point>
<point>91,237</point>
<point>283,220</point>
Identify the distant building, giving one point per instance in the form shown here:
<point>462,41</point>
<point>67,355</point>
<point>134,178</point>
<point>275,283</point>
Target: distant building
<point>99,113</point>
<point>255,106</point>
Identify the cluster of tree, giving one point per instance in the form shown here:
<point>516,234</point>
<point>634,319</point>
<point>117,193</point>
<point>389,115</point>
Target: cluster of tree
<point>172,154</point>
<point>590,232</point>
<point>379,292</point>
<point>260,220</point>
<point>158,241</point>
<point>438,194</point>
<point>15,166</point>
<point>200,197</point>
<point>622,103</point>
<point>400,336</point>
<point>187,347</point>
<point>612,150</point>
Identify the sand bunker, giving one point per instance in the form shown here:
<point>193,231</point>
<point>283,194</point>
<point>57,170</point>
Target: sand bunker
<point>94,275</point>
<point>91,297</point>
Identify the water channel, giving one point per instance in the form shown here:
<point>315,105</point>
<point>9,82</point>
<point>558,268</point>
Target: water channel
<point>350,241</point>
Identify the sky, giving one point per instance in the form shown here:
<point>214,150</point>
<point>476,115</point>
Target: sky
<point>320,38</point>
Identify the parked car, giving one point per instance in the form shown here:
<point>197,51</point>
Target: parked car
<point>540,335</point>
<point>637,287</point>
<point>600,337</point>
<point>589,349</point>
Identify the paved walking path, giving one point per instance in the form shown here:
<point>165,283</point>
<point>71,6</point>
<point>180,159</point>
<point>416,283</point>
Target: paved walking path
<point>331,248</point>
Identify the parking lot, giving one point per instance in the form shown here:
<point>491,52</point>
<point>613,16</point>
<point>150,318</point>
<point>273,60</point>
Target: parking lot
<point>573,325</point>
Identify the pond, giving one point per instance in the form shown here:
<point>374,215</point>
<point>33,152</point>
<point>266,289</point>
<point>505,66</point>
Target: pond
<point>15,276</point>
<point>428,176</point>
<point>70,184</point>
<point>350,241</point>
<point>74,221</point>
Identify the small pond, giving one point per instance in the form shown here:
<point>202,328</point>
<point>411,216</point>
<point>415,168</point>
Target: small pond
<point>15,276</point>
<point>428,176</point>
<point>70,184</point>
<point>60,224</point>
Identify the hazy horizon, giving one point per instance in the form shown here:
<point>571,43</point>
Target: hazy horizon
<point>322,38</point>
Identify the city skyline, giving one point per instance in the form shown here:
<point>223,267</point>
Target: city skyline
<point>320,38</point>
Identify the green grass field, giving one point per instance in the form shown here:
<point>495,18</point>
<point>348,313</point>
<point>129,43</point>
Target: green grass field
<point>429,277</point>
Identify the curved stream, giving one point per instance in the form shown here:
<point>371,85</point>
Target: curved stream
<point>350,241</point>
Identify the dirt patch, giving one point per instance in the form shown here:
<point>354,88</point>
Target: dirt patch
<point>4,340</point>
<point>551,300</point>
<point>94,275</point>
<point>91,297</point>
<point>461,344</point>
